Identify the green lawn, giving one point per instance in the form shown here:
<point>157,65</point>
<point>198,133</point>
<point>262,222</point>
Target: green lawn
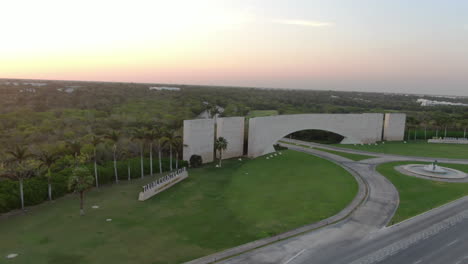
<point>212,210</point>
<point>419,148</point>
<point>260,113</point>
<point>420,195</point>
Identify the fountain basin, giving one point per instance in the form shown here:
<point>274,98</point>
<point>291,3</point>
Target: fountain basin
<point>430,171</point>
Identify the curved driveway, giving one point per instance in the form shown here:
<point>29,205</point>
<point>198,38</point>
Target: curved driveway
<point>373,214</point>
<point>362,235</point>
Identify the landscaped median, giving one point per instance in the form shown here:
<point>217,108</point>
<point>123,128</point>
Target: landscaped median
<point>420,195</point>
<point>212,210</point>
<point>413,149</point>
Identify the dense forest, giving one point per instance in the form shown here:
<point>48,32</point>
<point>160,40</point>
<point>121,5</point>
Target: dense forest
<point>124,122</point>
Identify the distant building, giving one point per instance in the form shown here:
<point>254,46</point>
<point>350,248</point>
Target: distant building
<point>425,102</point>
<point>164,88</point>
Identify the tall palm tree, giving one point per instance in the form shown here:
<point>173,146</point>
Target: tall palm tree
<point>114,137</point>
<point>95,141</point>
<point>46,160</point>
<point>160,132</point>
<point>139,135</point>
<point>172,139</point>
<point>220,145</point>
<point>125,154</point>
<point>19,168</point>
<point>150,136</point>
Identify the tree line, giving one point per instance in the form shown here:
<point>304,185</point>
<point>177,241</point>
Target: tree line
<point>74,157</point>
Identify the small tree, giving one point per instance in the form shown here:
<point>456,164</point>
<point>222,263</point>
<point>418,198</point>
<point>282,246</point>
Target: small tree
<point>220,145</point>
<point>80,181</point>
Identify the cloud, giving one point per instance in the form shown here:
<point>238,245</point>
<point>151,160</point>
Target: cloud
<point>305,23</point>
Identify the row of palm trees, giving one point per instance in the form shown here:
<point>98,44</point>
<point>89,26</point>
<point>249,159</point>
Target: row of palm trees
<point>22,164</point>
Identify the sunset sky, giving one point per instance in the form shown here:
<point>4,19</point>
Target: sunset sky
<point>414,46</point>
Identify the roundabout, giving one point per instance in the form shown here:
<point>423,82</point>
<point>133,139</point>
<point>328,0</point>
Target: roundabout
<point>431,171</point>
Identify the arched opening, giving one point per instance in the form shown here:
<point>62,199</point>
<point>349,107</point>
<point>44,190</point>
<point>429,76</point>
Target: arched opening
<point>317,136</point>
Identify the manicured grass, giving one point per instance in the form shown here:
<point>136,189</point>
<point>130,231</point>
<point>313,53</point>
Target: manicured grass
<point>351,156</point>
<point>260,113</point>
<point>420,195</point>
<point>212,210</point>
<point>418,148</point>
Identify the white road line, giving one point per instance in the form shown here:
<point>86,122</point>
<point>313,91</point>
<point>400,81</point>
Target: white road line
<point>453,242</point>
<point>419,261</point>
<point>460,261</point>
<point>295,256</point>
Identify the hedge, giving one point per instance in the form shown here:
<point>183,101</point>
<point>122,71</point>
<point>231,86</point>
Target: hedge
<point>35,189</point>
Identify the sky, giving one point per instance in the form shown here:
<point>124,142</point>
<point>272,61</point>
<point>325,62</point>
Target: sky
<point>417,46</point>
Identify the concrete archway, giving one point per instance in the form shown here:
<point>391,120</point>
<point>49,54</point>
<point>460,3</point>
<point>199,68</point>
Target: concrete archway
<point>356,128</point>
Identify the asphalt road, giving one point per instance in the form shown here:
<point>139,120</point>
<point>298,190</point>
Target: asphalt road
<point>437,236</point>
<point>449,247</point>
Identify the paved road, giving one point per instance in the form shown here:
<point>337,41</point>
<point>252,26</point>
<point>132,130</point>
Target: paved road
<point>373,214</point>
<point>380,157</point>
<point>363,238</point>
<point>449,247</point>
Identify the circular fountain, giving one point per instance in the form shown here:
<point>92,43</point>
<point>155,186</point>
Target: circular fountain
<point>432,170</point>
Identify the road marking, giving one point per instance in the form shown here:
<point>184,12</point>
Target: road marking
<point>453,242</point>
<point>295,256</point>
<point>419,261</point>
<point>460,261</point>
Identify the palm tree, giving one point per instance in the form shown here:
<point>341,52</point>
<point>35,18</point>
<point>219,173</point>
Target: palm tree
<point>177,147</point>
<point>150,136</point>
<point>95,141</point>
<point>220,145</point>
<point>19,168</point>
<point>172,139</point>
<point>126,154</point>
<point>114,137</point>
<point>139,135</point>
<point>47,159</point>
<point>160,133</point>
<point>80,181</point>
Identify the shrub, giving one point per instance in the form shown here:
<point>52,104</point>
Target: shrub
<point>196,161</point>
<point>278,147</point>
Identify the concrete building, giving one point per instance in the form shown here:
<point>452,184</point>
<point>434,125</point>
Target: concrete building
<point>356,128</point>
<point>199,139</point>
<point>232,129</point>
<point>394,127</point>
<point>199,135</point>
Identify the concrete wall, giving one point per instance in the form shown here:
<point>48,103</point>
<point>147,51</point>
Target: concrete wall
<point>232,129</point>
<point>161,184</point>
<point>394,127</point>
<point>199,139</point>
<point>356,128</point>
